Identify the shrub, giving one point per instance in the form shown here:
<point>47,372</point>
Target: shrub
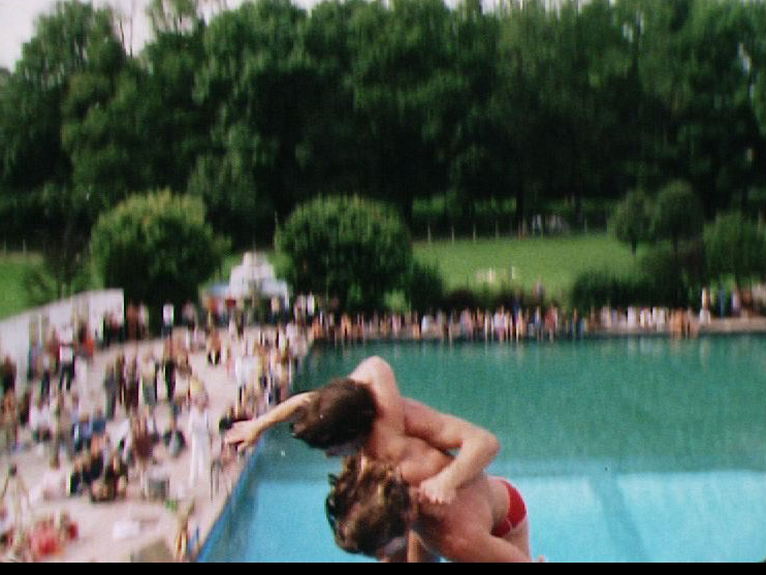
<point>156,247</point>
<point>735,246</point>
<point>677,214</point>
<point>424,286</point>
<point>351,248</point>
<point>631,219</point>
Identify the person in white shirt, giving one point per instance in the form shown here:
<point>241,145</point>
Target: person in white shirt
<point>40,419</point>
<point>167,320</point>
<point>200,433</point>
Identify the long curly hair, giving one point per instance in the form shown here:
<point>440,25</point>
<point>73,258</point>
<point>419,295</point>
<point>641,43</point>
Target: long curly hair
<point>368,506</point>
<point>340,412</point>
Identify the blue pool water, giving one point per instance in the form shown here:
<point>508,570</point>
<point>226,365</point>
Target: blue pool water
<point>625,449</point>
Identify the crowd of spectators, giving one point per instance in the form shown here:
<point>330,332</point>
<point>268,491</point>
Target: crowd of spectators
<point>99,451</point>
<point>538,321</point>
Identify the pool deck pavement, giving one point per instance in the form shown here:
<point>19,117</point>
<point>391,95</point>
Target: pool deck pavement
<point>135,529</point>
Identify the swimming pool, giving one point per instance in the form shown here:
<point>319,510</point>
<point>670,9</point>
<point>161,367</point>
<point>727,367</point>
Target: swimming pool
<point>625,449</point>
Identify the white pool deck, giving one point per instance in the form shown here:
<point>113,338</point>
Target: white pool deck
<point>119,531</point>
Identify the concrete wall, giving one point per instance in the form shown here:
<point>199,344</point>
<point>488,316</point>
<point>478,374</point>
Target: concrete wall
<point>16,332</point>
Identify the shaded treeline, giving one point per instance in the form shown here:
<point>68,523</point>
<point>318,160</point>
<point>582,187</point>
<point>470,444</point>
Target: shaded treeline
<point>530,105</point>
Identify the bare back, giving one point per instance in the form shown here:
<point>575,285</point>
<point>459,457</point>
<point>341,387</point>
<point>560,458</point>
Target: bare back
<point>479,505</point>
<point>388,439</point>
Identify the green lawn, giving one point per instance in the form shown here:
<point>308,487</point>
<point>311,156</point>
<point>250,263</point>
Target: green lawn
<point>555,261</point>
<point>13,294</point>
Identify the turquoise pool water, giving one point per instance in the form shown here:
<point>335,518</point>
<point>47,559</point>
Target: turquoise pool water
<point>625,449</point>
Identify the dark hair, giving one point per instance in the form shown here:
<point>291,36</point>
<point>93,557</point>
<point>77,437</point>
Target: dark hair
<point>367,508</point>
<point>341,411</point>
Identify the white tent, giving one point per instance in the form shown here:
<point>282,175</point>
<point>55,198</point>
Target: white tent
<point>255,275</point>
<point>248,277</point>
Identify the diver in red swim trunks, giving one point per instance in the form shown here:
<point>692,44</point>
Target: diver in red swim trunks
<point>517,512</point>
<point>457,505</point>
<point>373,505</point>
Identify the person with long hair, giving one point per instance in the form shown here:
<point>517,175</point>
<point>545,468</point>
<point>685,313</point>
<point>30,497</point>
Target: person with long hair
<point>373,506</point>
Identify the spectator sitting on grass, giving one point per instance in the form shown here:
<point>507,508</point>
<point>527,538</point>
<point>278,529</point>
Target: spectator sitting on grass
<point>82,433</point>
<point>114,482</point>
<point>78,478</point>
<point>98,424</point>
<point>227,420</point>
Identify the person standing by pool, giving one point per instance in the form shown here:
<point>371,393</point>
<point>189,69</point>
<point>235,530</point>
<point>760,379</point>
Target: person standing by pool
<point>365,411</point>
<point>201,436</point>
<point>111,390</point>
<point>148,379</point>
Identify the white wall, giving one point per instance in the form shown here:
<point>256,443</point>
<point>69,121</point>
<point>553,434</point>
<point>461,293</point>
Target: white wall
<point>15,331</point>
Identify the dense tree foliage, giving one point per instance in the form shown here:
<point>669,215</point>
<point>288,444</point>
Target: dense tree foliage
<point>540,105</point>
<point>736,247</point>
<point>631,219</point>
<point>677,214</point>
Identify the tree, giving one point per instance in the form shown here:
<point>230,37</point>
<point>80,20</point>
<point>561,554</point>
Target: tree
<point>719,143</point>
<point>174,128</point>
<point>466,135</point>
<point>677,214</point>
<point>94,58</point>
<point>736,246</point>
<point>65,250</point>
<point>631,219</point>
<point>402,89</point>
<point>231,198</point>
<point>257,82</point>
<point>157,247</point>
<point>332,153</point>
<point>72,39</point>
<point>346,247</point>
<point>58,165</point>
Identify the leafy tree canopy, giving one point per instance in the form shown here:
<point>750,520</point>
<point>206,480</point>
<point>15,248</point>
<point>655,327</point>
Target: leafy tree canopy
<point>677,213</point>
<point>735,246</point>
<point>631,219</point>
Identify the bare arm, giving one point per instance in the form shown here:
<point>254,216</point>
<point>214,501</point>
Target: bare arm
<point>247,433</point>
<point>475,449</point>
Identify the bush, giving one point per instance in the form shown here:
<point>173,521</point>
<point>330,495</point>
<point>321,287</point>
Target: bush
<point>735,246</point>
<point>424,286</point>
<point>157,248</point>
<point>670,276</point>
<point>594,289</point>
<point>661,282</point>
<point>677,214</point>
<point>351,248</point>
<point>631,219</point>
<point>460,299</point>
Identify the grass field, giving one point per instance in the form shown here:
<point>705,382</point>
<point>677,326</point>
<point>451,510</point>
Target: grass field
<point>496,263</point>
<point>13,294</point>
<point>490,263</point>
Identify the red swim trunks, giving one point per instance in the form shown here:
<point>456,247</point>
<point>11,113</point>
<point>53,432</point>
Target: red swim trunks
<point>517,511</point>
